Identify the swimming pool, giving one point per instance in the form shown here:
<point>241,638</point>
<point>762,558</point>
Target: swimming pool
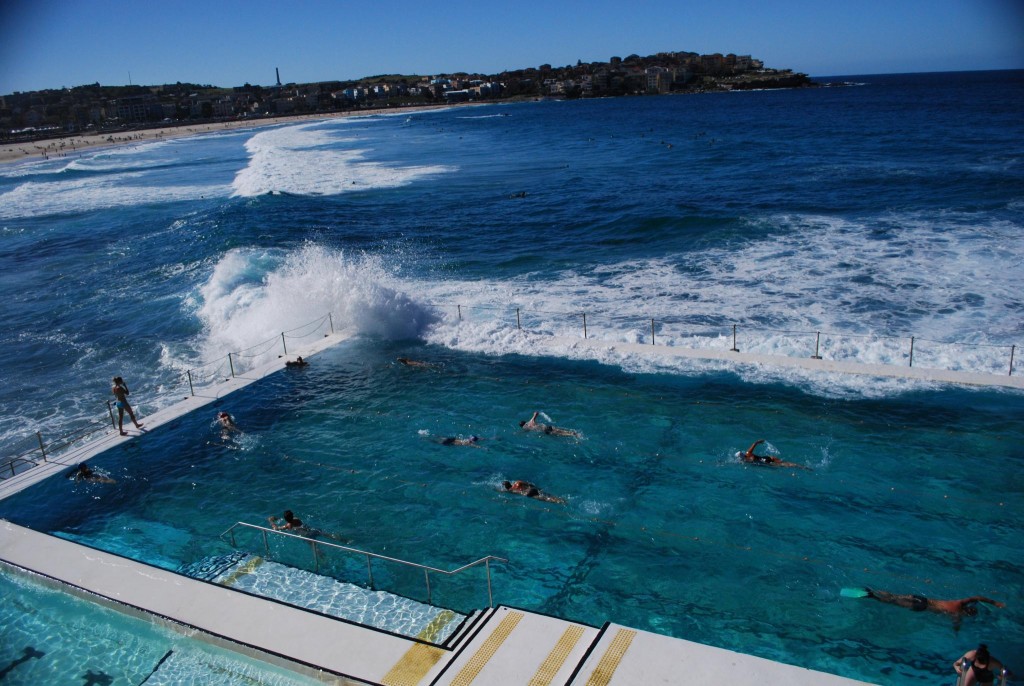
<point>663,529</point>
<point>48,636</point>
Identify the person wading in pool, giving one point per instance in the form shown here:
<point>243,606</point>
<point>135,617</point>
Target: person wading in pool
<point>981,667</point>
<point>767,460</point>
<point>120,391</point>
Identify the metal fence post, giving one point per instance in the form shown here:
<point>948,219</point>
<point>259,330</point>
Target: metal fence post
<point>39,435</point>
<point>1012,348</point>
<point>911,351</point>
<point>111,411</point>
<point>369,570</point>
<point>232,365</point>
<point>817,341</point>
<point>460,312</point>
<point>331,319</point>
<point>734,348</point>
<point>652,330</point>
<point>191,389</point>
<point>584,325</point>
<point>519,324</point>
<point>283,344</point>
<point>426,575</point>
<point>490,595</point>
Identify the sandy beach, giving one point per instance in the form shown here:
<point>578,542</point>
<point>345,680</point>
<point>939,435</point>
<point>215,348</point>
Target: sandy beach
<point>70,146</point>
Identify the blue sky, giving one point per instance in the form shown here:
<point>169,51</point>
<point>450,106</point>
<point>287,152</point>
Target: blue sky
<point>57,43</point>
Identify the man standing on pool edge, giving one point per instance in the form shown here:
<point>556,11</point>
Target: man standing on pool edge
<point>120,391</point>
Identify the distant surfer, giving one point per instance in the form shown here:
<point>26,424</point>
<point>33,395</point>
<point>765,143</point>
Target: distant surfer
<point>533,425</point>
<point>751,457</point>
<point>530,491</point>
<point>120,391</point>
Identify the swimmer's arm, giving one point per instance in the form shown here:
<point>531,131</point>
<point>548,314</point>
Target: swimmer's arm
<point>750,450</point>
<point>273,522</point>
<point>983,599</point>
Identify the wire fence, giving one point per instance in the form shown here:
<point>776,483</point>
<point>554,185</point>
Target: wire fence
<point>36,449</point>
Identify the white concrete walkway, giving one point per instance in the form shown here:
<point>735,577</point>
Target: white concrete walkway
<point>506,646</point>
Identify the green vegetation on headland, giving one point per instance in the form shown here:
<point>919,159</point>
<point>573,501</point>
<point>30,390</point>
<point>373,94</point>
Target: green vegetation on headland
<point>95,108</point>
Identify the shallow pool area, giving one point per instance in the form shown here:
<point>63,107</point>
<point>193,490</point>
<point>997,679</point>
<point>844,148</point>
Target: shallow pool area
<point>663,527</point>
<point>49,636</point>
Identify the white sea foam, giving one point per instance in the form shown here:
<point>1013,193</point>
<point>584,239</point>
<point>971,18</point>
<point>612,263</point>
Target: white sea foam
<point>34,199</point>
<point>254,295</point>
<point>305,160</point>
<point>868,287</point>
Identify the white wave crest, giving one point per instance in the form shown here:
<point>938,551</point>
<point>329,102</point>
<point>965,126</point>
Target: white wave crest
<point>254,295</point>
<point>305,160</point>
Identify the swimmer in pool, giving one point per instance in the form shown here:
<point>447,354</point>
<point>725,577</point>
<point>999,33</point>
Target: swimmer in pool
<point>85,473</point>
<point>227,424</point>
<point>415,363</point>
<point>530,491</point>
<point>957,609</point>
<point>453,440</point>
<point>297,362</point>
<point>290,523</point>
<point>533,425</point>
<point>767,460</point>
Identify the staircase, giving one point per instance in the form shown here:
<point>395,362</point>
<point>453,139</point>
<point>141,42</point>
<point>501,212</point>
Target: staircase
<point>378,609</point>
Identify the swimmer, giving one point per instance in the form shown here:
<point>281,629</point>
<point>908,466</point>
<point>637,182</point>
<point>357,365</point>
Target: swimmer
<point>227,424</point>
<point>767,460</point>
<point>452,440</point>
<point>530,491</point>
<point>297,362</point>
<point>291,522</point>
<point>964,607</point>
<point>533,425</point>
<point>85,473</point>
<point>982,667</point>
<point>415,363</point>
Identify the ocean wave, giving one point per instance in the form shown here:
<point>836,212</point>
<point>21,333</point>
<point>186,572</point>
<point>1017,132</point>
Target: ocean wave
<point>305,160</point>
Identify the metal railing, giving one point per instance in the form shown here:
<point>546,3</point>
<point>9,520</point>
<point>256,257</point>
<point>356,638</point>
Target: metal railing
<point>650,328</point>
<point>315,544</point>
<point>42,448</point>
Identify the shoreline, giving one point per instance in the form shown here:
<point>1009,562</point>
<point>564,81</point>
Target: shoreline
<point>77,144</point>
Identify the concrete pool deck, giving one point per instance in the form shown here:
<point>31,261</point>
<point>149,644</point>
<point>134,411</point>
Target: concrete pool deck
<point>503,645</point>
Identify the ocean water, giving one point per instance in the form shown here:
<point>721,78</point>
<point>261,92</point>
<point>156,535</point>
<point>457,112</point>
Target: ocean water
<point>886,209</point>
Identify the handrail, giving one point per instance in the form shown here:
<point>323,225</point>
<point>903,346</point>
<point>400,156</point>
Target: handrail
<point>427,569</point>
<point>10,464</point>
<point>65,440</point>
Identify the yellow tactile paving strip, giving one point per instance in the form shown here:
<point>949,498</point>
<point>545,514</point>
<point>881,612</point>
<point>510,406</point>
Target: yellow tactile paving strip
<point>556,658</point>
<point>479,660</point>
<point>413,666</point>
<point>248,568</point>
<point>611,658</point>
<point>431,630</point>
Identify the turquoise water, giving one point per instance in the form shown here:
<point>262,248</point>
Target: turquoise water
<point>664,528</point>
<point>874,213</point>
<point>50,637</point>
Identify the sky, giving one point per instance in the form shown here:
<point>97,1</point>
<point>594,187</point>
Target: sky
<point>64,43</point>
